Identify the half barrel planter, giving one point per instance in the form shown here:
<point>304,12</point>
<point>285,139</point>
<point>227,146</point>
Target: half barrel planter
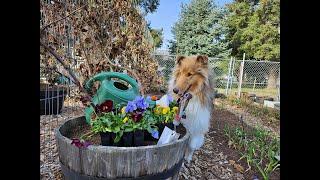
<point>108,162</point>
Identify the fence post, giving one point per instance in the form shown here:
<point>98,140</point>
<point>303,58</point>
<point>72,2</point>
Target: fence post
<point>232,69</point>
<point>254,83</point>
<point>279,87</point>
<point>241,74</point>
<point>229,74</point>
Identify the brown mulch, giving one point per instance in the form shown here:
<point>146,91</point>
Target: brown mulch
<point>213,161</point>
<point>49,161</point>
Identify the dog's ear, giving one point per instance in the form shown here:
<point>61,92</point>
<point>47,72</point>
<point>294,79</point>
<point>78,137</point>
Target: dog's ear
<point>179,59</point>
<point>202,59</point>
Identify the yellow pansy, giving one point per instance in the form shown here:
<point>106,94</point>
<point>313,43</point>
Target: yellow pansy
<point>125,120</point>
<point>157,110</point>
<point>175,109</point>
<point>123,110</point>
<point>165,110</point>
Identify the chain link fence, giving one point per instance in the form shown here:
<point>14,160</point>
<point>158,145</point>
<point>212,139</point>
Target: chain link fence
<point>261,78</point>
<point>57,93</point>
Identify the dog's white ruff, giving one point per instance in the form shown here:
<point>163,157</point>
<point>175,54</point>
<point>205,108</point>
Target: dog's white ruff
<point>197,123</point>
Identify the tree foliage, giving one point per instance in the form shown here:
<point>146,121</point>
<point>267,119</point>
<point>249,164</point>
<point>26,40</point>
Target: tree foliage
<point>109,35</point>
<point>200,30</point>
<point>254,29</point>
<point>157,36</point>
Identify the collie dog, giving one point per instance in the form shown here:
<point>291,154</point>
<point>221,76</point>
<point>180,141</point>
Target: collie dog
<point>191,74</point>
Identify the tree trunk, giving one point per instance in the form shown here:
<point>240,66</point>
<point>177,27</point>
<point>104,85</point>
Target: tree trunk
<point>272,77</point>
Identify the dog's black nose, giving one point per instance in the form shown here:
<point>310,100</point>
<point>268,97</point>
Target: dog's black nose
<point>176,90</point>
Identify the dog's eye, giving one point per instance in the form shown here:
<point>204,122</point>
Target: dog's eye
<point>189,74</point>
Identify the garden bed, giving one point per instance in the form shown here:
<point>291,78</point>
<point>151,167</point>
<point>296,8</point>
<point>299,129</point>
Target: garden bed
<point>216,160</point>
<point>253,115</point>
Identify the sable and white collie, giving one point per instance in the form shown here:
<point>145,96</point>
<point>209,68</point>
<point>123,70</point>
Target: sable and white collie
<point>191,74</point>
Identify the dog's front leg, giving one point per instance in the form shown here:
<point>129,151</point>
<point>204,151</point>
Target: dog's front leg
<point>195,143</point>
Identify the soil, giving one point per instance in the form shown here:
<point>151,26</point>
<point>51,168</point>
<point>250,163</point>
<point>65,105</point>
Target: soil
<point>249,119</point>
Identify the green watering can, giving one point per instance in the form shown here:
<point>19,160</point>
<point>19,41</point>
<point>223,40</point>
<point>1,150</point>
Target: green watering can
<point>112,90</point>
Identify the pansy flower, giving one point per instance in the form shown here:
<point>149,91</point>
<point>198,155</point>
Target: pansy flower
<point>131,106</point>
<point>105,106</point>
<point>155,134</point>
<point>125,120</point>
<point>165,110</point>
<point>80,143</point>
<point>141,103</point>
<point>123,110</point>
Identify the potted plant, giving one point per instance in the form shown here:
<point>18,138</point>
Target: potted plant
<point>53,92</point>
<point>165,112</point>
<point>108,125</point>
<point>132,124</point>
<point>139,120</point>
<point>123,126</point>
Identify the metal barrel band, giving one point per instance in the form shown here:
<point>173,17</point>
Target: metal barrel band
<point>71,174</point>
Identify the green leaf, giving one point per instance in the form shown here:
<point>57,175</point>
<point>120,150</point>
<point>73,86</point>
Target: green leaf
<point>118,136</point>
<point>116,129</point>
<point>106,129</point>
<point>128,130</point>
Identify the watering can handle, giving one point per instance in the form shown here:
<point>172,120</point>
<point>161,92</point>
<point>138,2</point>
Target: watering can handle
<point>108,75</point>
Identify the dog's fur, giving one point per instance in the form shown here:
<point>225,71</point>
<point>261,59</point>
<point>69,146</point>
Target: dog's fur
<point>193,71</point>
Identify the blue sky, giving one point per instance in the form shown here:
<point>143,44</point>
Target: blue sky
<point>167,14</point>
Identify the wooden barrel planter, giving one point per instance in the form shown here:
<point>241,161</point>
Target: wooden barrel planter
<point>109,162</point>
<point>51,99</point>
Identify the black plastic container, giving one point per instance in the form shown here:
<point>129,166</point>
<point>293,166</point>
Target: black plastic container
<point>127,139</point>
<point>138,138</point>
<point>113,136</point>
<point>51,99</point>
<point>106,138</point>
<point>148,136</point>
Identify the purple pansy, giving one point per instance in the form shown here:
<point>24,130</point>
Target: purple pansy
<point>141,103</point>
<point>170,98</point>
<point>79,143</point>
<point>155,134</point>
<point>131,106</point>
<point>136,116</point>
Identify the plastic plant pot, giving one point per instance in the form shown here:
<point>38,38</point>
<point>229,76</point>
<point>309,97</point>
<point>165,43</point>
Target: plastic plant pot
<point>127,139</point>
<point>105,138</point>
<point>138,138</point>
<point>113,136</point>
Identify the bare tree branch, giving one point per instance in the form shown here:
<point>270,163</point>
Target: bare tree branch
<point>51,51</point>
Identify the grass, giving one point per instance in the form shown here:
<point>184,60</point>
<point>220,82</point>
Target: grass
<point>257,147</point>
<point>259,92</point>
